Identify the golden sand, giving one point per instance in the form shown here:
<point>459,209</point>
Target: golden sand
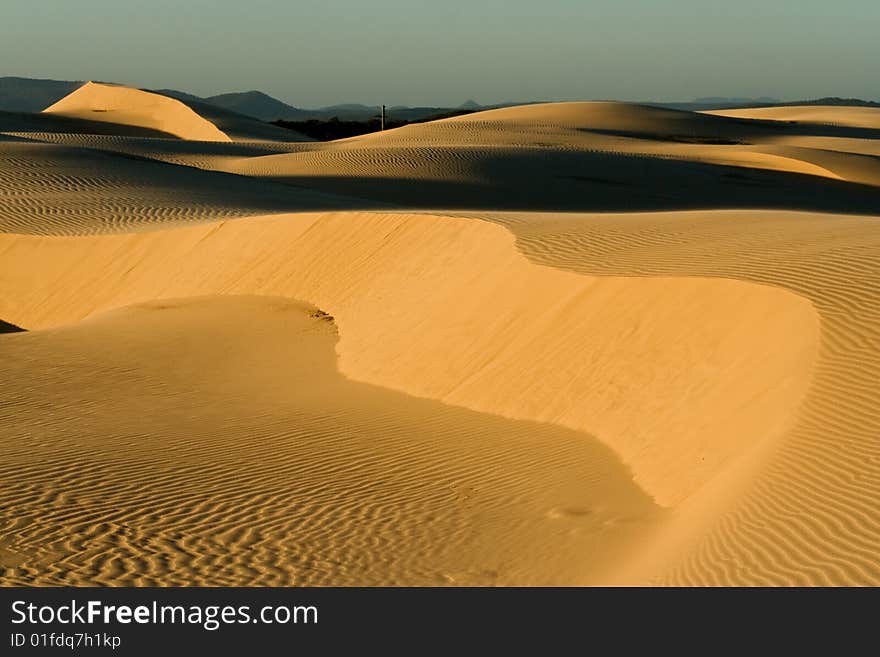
<point>426,357</point>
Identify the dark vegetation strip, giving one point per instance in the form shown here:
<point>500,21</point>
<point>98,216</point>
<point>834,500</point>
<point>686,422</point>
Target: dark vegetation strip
<point>334,128</point>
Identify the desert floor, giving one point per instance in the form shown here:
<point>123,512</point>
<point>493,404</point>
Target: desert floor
<point>565,344</point>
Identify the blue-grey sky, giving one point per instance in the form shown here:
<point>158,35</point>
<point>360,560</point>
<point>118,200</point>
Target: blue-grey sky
<point>320,52</point>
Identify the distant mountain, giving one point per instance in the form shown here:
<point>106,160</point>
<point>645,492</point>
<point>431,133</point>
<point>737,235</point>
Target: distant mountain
<point>256,104</point>
<point>179,95</point>
<point>470,105</point>
<point>833,100</point>
<point>350,107</point>
<point>29,95</point>
<point>723,100</point>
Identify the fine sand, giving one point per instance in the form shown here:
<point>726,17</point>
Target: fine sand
<point>576,343</point>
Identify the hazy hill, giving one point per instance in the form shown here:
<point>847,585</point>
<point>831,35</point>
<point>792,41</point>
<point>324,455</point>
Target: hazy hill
<point>256,104</point>
<point>832,101</point>
<point>29,95</point>
<point>715,100</point>
<point>180,95</point>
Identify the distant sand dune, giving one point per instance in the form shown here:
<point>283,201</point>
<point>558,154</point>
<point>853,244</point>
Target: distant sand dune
<point>53,189</point>
<point>581,156</point>
<point>118,104</point>
<point>98,102</point>
<point>851,117</point>
<point>200,154</point>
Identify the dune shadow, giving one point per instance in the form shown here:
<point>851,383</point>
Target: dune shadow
<point>7,327</point>
<point>40,122</point>
<point>513,180</point>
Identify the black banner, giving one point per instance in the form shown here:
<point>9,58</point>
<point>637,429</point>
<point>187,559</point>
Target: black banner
<point>128,621</point>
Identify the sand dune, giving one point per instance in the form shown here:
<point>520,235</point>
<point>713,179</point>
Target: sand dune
<point>852,117</point>
<point>59,127</point>
<point>53,189</point>
<point>290,474</point>
<point>244,128</point>
<point>119,104</point>
<point>581,156</point>
<point>99,102</point>
<point>809,516</point>
<point>212,155</point>
<point>516,325</point>
<point>516,397</point>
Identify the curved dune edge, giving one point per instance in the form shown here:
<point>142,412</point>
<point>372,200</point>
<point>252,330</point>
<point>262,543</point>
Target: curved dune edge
<point>212,441</point>
<point>678,375</point>
<point>135,107</point>
<point>807,513</point>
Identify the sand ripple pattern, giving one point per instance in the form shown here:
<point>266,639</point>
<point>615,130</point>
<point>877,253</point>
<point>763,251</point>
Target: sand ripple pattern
<point>48,189</point>
<point>592,157</point>
<point>291,475</point>
<point>812,516</point>
<point>199,154</point>
<point>806,513</point>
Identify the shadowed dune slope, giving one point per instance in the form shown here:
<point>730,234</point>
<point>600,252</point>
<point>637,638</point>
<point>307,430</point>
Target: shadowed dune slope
<point>244,128</point>
<point>583,156</point>
<point>257,463</point>
<point>54,189</point>
<point>562,156</point>
<point>56,126</point>
<point>200,154</point>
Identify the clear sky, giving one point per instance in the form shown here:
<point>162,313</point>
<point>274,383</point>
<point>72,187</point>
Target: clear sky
<point>319,52</point>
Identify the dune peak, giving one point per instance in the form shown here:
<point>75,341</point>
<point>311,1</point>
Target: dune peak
<point>114,103</point>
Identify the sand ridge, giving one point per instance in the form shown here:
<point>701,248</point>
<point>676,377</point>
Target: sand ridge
<point>49,188</point>
<point>517,324</point>
<point>120,104</point>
